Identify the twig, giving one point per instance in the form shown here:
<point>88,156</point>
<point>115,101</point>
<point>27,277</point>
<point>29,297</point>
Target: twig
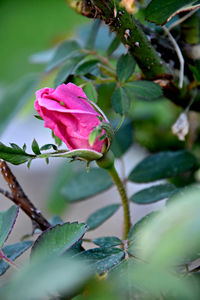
<point>18,196</point>
<point>179,54</point>
<point>7,194</point>
<point>181,20</point>
<point>197,269</point>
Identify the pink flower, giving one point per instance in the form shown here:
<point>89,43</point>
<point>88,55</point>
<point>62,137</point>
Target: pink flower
<point>69,115</point>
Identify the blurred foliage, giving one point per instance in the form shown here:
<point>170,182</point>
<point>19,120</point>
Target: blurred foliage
<point>156,260</point>
<point>29,27</point>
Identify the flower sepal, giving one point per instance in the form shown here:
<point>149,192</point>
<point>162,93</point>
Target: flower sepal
<point>78,154</point>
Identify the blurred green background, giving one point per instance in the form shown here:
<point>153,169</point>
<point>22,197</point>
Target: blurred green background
<point>28,27</point>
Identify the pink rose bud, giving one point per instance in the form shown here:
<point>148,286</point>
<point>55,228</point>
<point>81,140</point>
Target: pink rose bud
<point>72,118</point>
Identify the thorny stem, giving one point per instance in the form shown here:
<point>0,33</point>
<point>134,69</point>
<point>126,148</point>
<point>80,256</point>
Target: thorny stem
<point>130,34</point>
<point>18,196</point>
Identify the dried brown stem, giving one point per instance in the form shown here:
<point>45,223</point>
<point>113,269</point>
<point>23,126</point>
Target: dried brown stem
<point>18,196</point>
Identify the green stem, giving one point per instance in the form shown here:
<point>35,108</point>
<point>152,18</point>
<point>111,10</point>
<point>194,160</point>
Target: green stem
<point>127,223</point>
<point>107,163</point>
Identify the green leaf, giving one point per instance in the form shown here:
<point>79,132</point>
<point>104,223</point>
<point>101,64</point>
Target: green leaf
<point>87,67</point>
<point>55,220</point>
<point>144,90</point>
<point>46,277</point>
<point>120,101</point>
<point>16,147</point>
<point>68,69</point>
<point>48,146</point>
<point>123,139</point>
<point>7,221</point>
<point>101,215</point>
<point>56,240</point>
<point>196,70</point>
<point>103,259</point>
<point>12,252</point>
<point>113,46</point>
<point>67,50</point>
<point>137,228</point>
<point>90,92</point>
<point>13,155</point>
<point>105,92</point>
<point>35,147</point>
<point>15,98</point>
<point>90,184</point>
<point>153,194</point>
<point>90,43</point>
<point>125,67</point>
<point>172,237</point>
<point>163,165</point>
<point>107,241</point>
<point>160,12</point>
<point>58,141</point>
<point>38,117</point>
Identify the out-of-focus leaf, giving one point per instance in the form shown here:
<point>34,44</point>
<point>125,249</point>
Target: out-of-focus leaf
<point>125,67</point>
<point>144,90</point>
<point>107,241</point>
<point>113,46</point>
<point>172,237</point>
<point>93,34</point>
<point>123,139</point>
<point>13,155</point>
<point>66,50</point>
<point>163,165</point>
<point>137,228</point>
<point>55,220</point>
<point>90,92</point>
<point>12,252</point>
<point>101,215</point>
<point>120,101</point>
<point>89,184</point>
<point>7,221</point>
<point>56,240</point>
<point>153,194</point>
<point>47,276</point>
<point>15,97</point>
<point>160,12</point>
<point>102,259</point>
<point>87,67</point>
<point>105,92</point>
<point>68,69</point>
<point>42,57</point>
<point>196,70</point>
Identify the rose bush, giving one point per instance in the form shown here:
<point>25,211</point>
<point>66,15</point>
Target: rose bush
<point>67,112</point>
